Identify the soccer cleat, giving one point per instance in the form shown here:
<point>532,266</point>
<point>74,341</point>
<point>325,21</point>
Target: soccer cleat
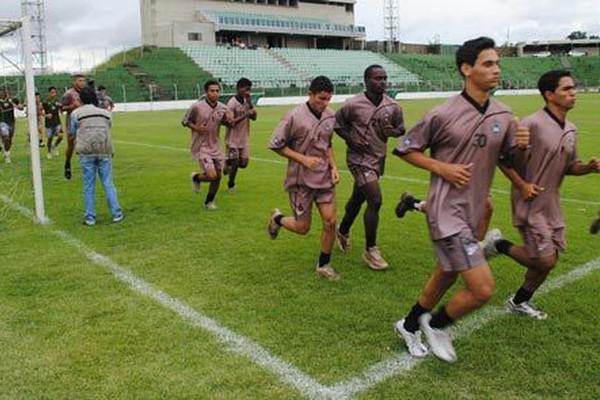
<point>231,190</point>
<point>49,156</point>
<point>440,340</point>
<point>343,241</point>
<point>211,206</point>
<point>272,226</point>
<point>89,222</point>
<point>407,203</point>
<point>118,218</point>
<point>7,157</point>
<point>374,259</point>
<point>55,152</point>
<point>413,341</point>
<point>489,243</point>
<point>195,183</point>
<point>68,173</point>
<point>527,309</point>
<point>328,272</point>
<point>595,227</point>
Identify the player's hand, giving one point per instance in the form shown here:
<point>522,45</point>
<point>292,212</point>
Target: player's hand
<point>312,163</point>
<point>388,130</point>
<point>530,191</point>
<point>457,174</point>
<point>594,165</point>
<point>202,127</point>
<point>522,135</point>
<point>335,175</point>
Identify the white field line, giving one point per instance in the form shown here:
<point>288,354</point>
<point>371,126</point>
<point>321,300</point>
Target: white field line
<point>390,177</point>
<point>234,342</point>
<point>306,385</point>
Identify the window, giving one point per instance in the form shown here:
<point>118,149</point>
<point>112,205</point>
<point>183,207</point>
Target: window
<point>194,36</point>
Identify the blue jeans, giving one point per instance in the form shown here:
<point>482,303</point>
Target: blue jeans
<point>90,165</point>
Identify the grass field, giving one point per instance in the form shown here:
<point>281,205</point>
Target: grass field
<point>74,324</point>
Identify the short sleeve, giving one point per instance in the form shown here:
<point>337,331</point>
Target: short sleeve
<point>419,137</point>
<point>189,116</point>
<point>509,144</point>
<point>282,134</point>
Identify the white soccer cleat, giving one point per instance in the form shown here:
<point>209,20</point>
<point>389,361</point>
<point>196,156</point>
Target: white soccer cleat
<point>7,157</point>
<point>272,226</point>
<point>527,309</point>
<point>374,259</point>
<point>440,340</point>
<point>49,156</point>
<point>211,206</point>
<point>489,243</point>
<point>328,272</point>
<point>413,341</point>
<point>55,152</point>
<point>195,183</point>
<point>343,240</point>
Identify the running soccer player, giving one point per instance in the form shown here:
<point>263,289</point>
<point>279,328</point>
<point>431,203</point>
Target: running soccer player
<point>468,135</point>
<point>39,107</point>
<point>304,137</point>
<point>8,105</point>
<point>237,135</point>
<point>365,122</point>
<point>536,200</point>
<point>52,122</point>
<point>104,100</point>
<point>69,103</point>
<point>205,118</point>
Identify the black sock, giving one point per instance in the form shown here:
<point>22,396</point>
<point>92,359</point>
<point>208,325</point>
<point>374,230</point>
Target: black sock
<point>440,319</point>
<point>196,178</point>
<point>209,198</point>
<point>411,322</point>
<point>230,184</point>
<point>278,219</point>
<point>324,259</point>
<point>522,295</point>
<point>503,246</point>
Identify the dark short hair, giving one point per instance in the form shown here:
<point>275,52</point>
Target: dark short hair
<point>244,82</point>
<point>321,84</point>
<point>52,88</point>
<point>88,96</point>
<point>37,93</point>
<point>75,76</point>
<point>370,69</point>
<point>549,81</point>
<point>101,87</point>
<point>211,82</point>
<point>469,51</point>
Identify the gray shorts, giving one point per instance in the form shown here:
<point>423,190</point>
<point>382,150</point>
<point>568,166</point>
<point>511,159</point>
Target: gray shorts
<point>543,241</point>
<point>302,198</point>
<point>363,175</point>
<point>7,130</point>
<point>459,252</point>
<point>236,153</point>
<point>54,131</point>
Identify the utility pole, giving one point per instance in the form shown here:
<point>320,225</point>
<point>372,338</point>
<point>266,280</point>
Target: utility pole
<point>391,22</point>
<point>34,9</point>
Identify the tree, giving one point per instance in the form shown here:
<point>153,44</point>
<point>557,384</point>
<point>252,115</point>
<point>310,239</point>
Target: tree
<point>577,35</point>
<point>594,37</point>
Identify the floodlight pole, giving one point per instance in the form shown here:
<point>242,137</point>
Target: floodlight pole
<point>36,170</point>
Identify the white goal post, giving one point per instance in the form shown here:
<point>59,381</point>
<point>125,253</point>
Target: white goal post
<point>8,27</point>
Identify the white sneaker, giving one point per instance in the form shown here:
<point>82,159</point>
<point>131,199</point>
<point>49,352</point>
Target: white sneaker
<point>328,272</point>
<point>49,156</point>
<point>195,184</point>
<point>374,259</point>
<point>527,309</point>
<point>272,227</point>
<point>211,206</point>
<point>413,341</point>
<point>7,157</point>
<point>439,340</point>
<point>343,240</point>
<point>489,243</point>
<point>55,152</point>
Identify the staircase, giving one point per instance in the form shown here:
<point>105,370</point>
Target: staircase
<point>158,94</point>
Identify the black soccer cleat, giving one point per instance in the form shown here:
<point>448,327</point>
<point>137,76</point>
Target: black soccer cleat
<point>595,226</point>
<point>68,173</point>
<point>407,203</point>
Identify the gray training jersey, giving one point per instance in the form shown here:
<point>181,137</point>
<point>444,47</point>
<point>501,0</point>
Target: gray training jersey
<point>363,119</point>
<point>459,132</point>
<point>303,132</point>
<point>206,144</point>
<point>553,152</point>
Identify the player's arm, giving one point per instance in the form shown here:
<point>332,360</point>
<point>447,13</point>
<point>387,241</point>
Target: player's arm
<point>528,190</point>
<point>579,168</point>
<point>335,173</point>
<point>457,174</point>
<point>395,127</point>
<point>309,162</point>
<point>341,128</point>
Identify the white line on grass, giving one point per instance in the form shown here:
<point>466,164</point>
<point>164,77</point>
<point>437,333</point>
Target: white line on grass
<point>390,177</point>
<point>239,344</point>
<point>305,384</point>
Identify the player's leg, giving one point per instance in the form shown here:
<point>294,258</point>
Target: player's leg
<point>213,173</point>
<point>595,227</point>
<point>49,137</point>
<point>106,178</point>
<point>355,202</point>
<point>407,203</point>
<point>301,204</point>
<point>372,255</point>
<point>69,154</point>
<point>58,133</point>
<point>233,160</point>
<point>327,209</point>
<point>241,162</point>
<point>88,174</point>
<point>484,223</point>
<point>6,140</point>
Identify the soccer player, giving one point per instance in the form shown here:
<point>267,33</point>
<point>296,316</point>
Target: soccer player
<point>104,101</point>
<point>365,122</point>
<point>236,137</point>
<point>69,103</point>
<point>468,135</point>
<point>39,107</point>
<point>92,126</point>
<point>205,118</point>
<point>8,105</point>
<point>304,137</point>
<point>536,201</point>
<point>52,122</point>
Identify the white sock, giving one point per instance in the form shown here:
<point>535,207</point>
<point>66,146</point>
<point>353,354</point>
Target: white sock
<point>420,205</point>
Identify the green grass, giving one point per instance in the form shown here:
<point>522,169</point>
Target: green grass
<point>69,329</point>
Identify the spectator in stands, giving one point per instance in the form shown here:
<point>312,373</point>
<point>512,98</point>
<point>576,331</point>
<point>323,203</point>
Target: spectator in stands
<point>92,126</point>
<point>237,136</point>
<point>365,122</point>
<point>104,100</point>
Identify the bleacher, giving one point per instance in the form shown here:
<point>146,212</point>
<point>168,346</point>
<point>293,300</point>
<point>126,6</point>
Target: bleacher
<point>291,66</point>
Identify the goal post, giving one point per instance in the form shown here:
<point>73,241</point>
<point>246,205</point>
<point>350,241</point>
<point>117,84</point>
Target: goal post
<point>8,27</point>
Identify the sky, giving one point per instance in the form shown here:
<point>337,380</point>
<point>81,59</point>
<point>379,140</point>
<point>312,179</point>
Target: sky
<point>80,37</point>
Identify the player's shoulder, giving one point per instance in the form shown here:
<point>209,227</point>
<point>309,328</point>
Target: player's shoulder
<point>497,106</point>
